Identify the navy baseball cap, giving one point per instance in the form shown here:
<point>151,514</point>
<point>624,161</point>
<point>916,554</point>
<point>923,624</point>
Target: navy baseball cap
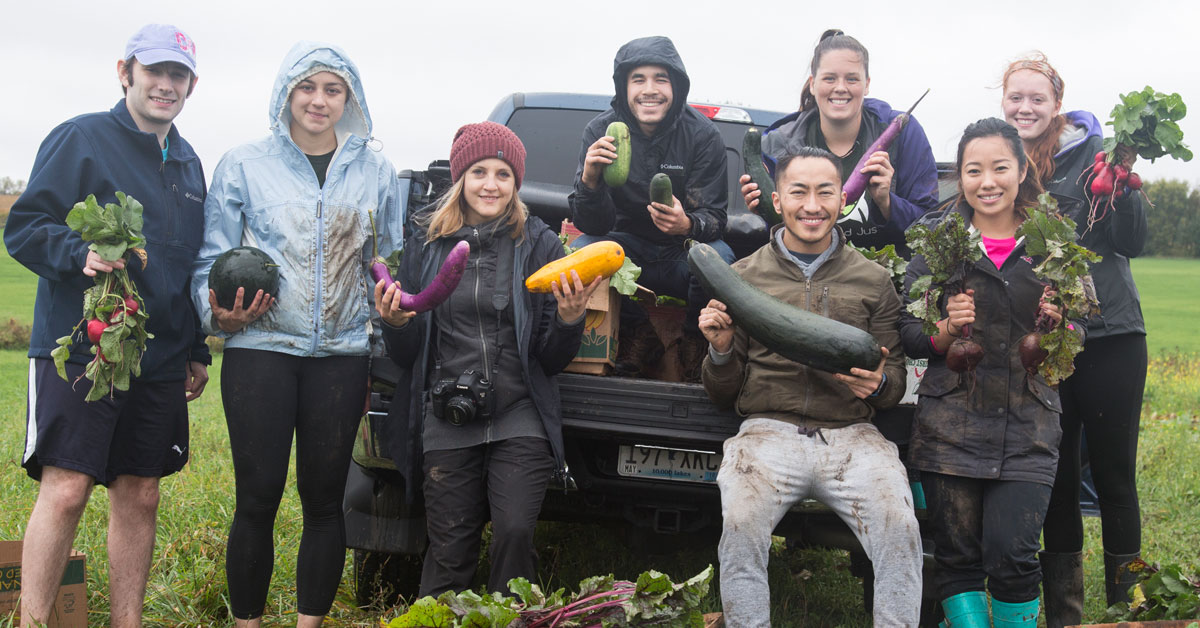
<point>156,43</point>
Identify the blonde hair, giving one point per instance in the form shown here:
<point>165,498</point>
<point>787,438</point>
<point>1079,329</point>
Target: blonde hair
<point>450,215</point>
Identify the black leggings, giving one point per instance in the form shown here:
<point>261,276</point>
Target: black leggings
<point>1103,397</point>
<point>268,396</point>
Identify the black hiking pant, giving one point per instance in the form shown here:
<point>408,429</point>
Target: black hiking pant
<point>503,481</point>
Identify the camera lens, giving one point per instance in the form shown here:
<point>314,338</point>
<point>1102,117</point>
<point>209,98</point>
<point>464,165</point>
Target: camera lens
<point>460,410</point>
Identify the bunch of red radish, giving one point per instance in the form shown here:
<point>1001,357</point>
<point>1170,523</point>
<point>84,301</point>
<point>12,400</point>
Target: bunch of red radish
<point>1107,180</point>
<point>1110,177</point>
<point>96,326</point>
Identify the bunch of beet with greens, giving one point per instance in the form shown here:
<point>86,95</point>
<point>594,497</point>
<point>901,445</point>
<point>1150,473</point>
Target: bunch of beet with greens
<point>1050,349</point>
<point>1145,124</point>
<point>114,315</point>
<point>950,250</point>
<point>601,601</point>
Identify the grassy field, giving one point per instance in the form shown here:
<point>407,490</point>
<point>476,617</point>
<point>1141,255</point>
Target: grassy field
<point>810,587</point>
<point>19,287</point>
<point>1170,290</point>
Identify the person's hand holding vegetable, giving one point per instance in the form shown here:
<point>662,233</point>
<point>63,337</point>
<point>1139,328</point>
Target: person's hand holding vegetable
<point>879,186</point>
<point>387,303</point>
<point>572,295</point>
<point>230,321</point>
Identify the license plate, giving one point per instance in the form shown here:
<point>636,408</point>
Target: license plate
<point>663,463</point>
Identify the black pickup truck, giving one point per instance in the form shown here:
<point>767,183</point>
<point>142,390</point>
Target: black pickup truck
<point>642,454</point>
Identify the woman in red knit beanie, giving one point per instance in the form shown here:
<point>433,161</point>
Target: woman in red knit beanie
<point>482,422</point>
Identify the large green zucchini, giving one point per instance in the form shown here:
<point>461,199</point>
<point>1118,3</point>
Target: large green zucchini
<point>796,334</point>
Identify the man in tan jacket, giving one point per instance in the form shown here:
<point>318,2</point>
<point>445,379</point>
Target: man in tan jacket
<point>806,433</point>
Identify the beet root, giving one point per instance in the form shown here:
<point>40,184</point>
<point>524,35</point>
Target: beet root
<point>1032,353</point>
<point>963,355</point>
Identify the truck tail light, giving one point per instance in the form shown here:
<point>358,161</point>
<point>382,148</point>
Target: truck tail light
<point>726,114</point>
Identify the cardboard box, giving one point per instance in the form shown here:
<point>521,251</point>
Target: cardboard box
<point>598,350</point>
<point>70,609</point>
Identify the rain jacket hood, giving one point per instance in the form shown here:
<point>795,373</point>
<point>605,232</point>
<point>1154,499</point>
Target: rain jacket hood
<point>656,50</point>
<point>305,59</point>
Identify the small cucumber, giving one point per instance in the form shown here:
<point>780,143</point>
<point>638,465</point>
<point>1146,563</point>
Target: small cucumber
<point>617,172</point>
<point>752,159</point>
<point>660,189</point>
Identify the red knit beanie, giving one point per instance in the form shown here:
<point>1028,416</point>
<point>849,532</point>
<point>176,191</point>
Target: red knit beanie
<point>474,142</point>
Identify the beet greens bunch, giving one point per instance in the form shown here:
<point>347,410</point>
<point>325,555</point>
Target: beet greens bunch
<point>1064,267</point>
<point>950,250</point>
<point>601,601</point>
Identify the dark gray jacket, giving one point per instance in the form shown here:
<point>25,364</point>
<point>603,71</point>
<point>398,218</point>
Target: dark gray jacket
<point>545,345</point>
<point>1004,425</point>
<point>1120,235</point>
<point>686,146</point>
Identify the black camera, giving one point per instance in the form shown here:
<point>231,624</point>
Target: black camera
<point>460,400</point>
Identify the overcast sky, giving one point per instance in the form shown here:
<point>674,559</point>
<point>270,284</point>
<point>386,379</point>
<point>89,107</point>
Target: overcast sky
<point>429,67</point>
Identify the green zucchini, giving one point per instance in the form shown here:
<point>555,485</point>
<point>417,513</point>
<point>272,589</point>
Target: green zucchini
<point>796,334</point>
<point>617,172</point>
<point>660,190</point>
<point>752,159</point>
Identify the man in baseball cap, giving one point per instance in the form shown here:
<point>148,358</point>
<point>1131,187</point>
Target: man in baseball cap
<point>130,439</point>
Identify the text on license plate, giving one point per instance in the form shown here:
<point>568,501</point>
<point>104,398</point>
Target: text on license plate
<point>668,464</point>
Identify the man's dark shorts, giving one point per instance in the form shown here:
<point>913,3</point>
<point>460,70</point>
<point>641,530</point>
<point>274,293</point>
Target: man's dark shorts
<point>142,432</point>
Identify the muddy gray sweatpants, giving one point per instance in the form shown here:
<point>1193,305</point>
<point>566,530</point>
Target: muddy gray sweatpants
<point>770,465</point>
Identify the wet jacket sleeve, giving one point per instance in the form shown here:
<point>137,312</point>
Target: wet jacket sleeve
<point>706,198</point>
<point>723,382</point>
<point>223,224</point>
<point>1127,230</point>
<point>914,183</point>
<point>389,221</point>
<point>37,234</point>
<point>884,321</point>
<point>592,211</point>
<point>556,341</point>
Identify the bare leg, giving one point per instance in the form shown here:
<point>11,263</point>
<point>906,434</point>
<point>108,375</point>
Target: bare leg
<point>62,496</point>
<point>248,623</point>
<point>309,621</point>
<point>134,507</point>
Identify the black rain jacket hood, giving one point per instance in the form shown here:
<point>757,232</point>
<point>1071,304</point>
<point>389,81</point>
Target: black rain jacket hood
<point>655,50</point>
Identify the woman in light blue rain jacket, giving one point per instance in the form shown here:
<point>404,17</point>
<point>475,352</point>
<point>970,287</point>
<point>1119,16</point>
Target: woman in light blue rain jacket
<point>296,362</point>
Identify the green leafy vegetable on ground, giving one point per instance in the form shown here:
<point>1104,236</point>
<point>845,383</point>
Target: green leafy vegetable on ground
<point>602,600</point>
<point>1160,593</point>
<point>889,260</point>
<point>1064,267</point>
<point>949,249</point>
<point>114,315</point>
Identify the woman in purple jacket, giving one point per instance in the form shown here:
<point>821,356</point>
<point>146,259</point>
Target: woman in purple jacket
<point>836,115</point>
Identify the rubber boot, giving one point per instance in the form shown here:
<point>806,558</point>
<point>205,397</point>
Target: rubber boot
<point>1014,614</point>
<point>966,610</point>
<point>1118,578</point>
<point>1062,588</point>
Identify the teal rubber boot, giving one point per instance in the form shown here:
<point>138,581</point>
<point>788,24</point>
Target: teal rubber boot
<point>1006,615</point>
<point>966,610</point>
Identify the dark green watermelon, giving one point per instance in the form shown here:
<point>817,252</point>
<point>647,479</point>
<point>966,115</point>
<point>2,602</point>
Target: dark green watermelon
<point>243,267</point>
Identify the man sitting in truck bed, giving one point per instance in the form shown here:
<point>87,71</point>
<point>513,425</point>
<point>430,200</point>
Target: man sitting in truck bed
<point>670,137</point>
<point>808,433</point>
